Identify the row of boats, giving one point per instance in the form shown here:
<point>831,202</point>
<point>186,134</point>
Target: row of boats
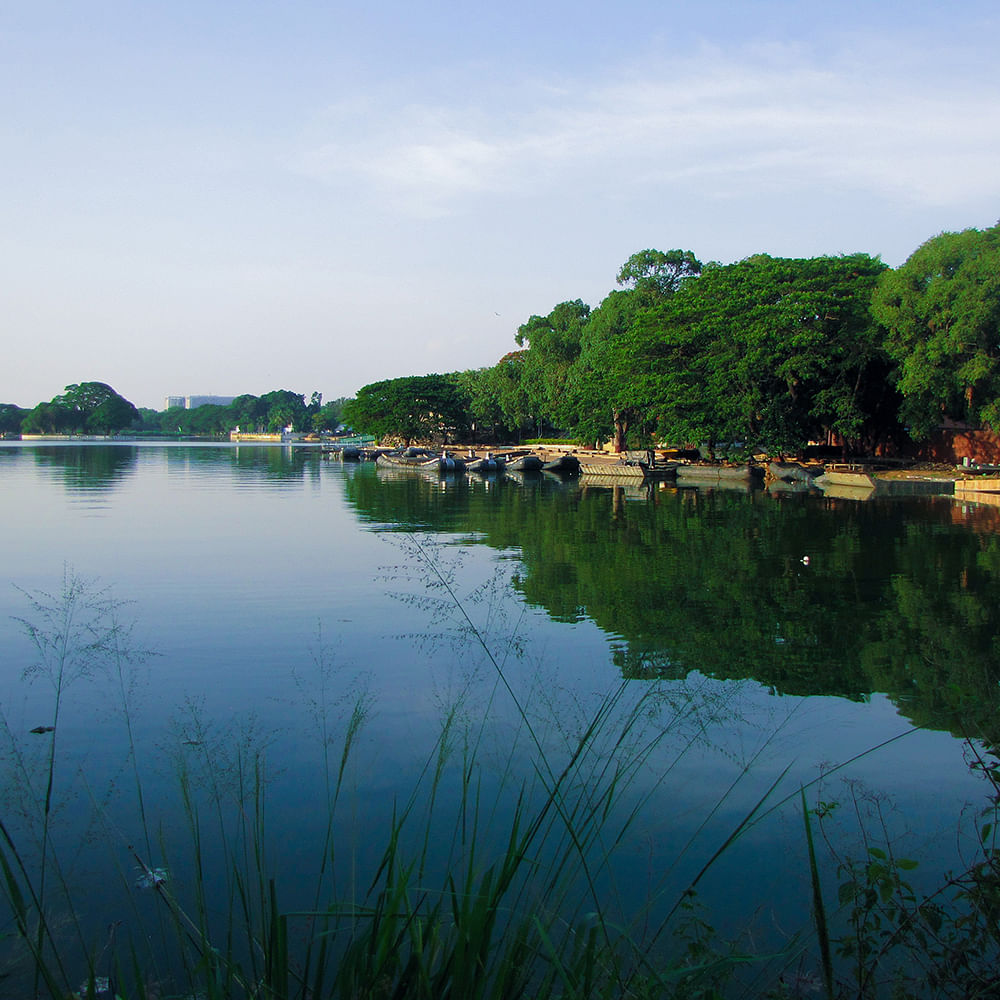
<point>448,462</point>
<point>849,481</point>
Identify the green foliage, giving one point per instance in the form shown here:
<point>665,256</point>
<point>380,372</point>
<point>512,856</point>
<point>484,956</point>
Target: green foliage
<point>424,407</point>
<point>942,941</point>
<point>769,352</point>
<point>655,274</point>
<point>11,417</point>
<point>555,344</point>
<point>941,311</point>
<point>84,408</point>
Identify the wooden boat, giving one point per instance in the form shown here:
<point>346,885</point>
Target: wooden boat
<point>613,470</point>
<point>421,460</point>
<point>409,458</point>
<point>846,474</point>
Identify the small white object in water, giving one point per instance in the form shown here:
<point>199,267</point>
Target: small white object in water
<point>102,986</point>
<point>805,560</point>
<point>150,878</point>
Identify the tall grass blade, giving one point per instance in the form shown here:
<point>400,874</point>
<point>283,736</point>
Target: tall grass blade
<point>819,910</point>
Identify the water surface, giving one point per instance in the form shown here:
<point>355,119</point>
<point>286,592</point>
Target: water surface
<point>781,634</point>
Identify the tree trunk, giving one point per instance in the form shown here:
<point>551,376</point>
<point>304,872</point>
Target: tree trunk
<point>621,431</point>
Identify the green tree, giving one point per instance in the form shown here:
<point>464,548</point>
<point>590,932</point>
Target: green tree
<point>941,311</point>
<point>657,273</point>
<point>11,417</point>
<point>768,352</point>
<point>553,346</point>
<point>83,407</point>
<point>113,414</point>
<point>249,413</point>
<point>612,385</point>
<point>329,416</point>
<point>425,407</point>
<point>285,409</point>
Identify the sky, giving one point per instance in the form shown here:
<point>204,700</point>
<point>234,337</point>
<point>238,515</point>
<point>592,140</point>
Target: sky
<point>212,197</point>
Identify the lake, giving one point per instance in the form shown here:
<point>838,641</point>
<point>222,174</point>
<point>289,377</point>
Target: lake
<point>734,640</point>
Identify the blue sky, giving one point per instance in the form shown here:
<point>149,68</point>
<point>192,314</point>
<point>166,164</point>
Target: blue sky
<point>222,197</point>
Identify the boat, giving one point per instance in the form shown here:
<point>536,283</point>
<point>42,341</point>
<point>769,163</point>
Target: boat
<point>525,463</point>
<point>717,473</point>
<point>613,471</point>
<point>486,465</point>
<point>445,462</point>
<point>793,472</point>
<point>421,460</point>
<point>568,465</point>
<point>407,458</point>
<point>847,474</point>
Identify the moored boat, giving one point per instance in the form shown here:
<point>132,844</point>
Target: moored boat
<point>846,474</point>
<point>568,465</point>
<point>718,473</point>
<point>485,465</point>
<point>793,472</point>
<point>613,470</point>
<point>526,463</point>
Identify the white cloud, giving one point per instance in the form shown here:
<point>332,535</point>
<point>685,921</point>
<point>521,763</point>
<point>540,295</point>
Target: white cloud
<point>742,121</point>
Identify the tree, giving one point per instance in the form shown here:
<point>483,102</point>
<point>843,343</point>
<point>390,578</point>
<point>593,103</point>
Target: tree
<point>553,345</point>
<point>941,311</point>
<point>657,273</point>
<point>425,407</point>
<point>768,352</point>
<point>329,416</point>
<point>11,417</point>
<point>114,414</point>
<point>611,383</point>
<point>83,407</point>
<point>248,413</point>
<point>285,409</point>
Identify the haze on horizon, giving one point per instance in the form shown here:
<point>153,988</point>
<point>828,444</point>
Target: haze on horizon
<point>222,198</point>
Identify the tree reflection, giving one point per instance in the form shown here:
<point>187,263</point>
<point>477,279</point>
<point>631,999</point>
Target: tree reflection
<point>89,468</point>
<point>805,595</point>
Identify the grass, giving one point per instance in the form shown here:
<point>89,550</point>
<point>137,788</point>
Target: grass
<point>488,884</point>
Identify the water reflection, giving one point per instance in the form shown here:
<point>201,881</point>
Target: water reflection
<point>807,595</point>
<point>86,468</point>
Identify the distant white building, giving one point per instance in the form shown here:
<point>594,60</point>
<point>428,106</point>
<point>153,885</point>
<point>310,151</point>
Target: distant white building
<point>191,402</point>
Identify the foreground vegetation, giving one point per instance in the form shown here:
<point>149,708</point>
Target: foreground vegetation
<point>508,894</point>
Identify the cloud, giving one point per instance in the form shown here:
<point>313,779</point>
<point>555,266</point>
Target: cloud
<point>725,123</point>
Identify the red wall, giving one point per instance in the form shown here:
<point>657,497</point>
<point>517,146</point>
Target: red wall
<point>951,445</point>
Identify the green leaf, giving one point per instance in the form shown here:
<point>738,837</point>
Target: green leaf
<point>846,892</point>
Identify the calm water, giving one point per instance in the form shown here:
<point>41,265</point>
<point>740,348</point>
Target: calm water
<point>777,631</point>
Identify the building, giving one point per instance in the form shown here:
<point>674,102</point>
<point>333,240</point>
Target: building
<point>191,402</point>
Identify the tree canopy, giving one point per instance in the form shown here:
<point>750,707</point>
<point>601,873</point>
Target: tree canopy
<point>428,407</point>
<point>84,407</point>
<point>941,311</point>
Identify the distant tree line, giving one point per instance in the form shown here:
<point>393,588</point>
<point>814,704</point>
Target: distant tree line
<point>271,412</point>
<point>767,352</point>
<point>96,408</point>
